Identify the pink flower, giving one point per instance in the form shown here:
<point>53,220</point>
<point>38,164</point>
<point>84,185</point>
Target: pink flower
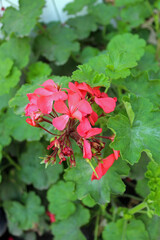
<point>51,92</point>
<point>77,109</point>
<point>103,167</point>
<point>108,104</point>
<point>32,106</point>
<point>85,130</point>
<point>51,216</point>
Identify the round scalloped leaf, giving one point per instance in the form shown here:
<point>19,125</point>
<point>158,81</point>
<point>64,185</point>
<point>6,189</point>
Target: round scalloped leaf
<point>26,214</point>
<point>30,163</point>
<point>22,21</point>
<point>135,229</point>
<point>18,49</point>
<point>142,135</point>
<point>70,227</point>
<point>61,197</point>
<point>56,43</point>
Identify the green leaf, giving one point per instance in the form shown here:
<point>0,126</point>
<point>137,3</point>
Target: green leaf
<point>26,214</point>
<point>137,14</point>
<point>41,178</point>
<point>8,80</point>
<point>151,225</point>
<point>22,21</point>
<point>4,99</point>
<point>87,53</point>
<point>88,201</point>
<point>124,52</point>
<point>99,190</point>
<point>71,226</point>
<point>38,69</point>
<point>5,138</point>
<point>129,111</point>
<point>61,197</point>
<point>87,74</point>
<point>103,13</point>
<point>153,175</point>
<point>135,229</point>
<point>20,100</point>
<point>19,129</point>
<point>83,25</point>
<point>56,43</point>
<point>11,187</point>
<point>148,60</point>
<point>142,188</point>
<point>139,169</point>
<point>18,49</point>
<point>120,3</point>
<point>142,86</point>
<point>143,135</point>
<point>77,6</point>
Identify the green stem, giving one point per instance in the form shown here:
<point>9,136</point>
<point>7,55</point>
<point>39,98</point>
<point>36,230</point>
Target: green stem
<point>138,208</point>
<point>133,197</point>
<point>124,230</point>
<point>92,167</point>
<point>96,228</point>
<point>12,4</point>
<point>55,7</point>
<point>11,161</point>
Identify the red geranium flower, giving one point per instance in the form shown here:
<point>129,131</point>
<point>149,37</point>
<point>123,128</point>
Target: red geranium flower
<point>77,109</point>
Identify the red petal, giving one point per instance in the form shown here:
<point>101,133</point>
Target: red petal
<point>93,118</point>
<point>43,92</point>
<point>45,104</point>
<point>30,122</point>
<point>60,122</point>
<point>87,153</point>
<point>50,85</point>
<point>85,107</point>
<point>85,87</point>
<point>32,97</point>
<point>83,127</point>
<point>30,108</point>
<point>116,154</point>
<point>61,107</point>
<point>78,115</point>
<point>93,131</point>
<point>102,168</point>
<point>73,101</point>
<point>108,162</point>
<point>107,104</point>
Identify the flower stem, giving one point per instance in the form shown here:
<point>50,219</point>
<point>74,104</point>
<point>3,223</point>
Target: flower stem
<point>138,208</point>
<point>102,137</point>
<point>92,167</point>
<point>96,228</point>
<point>46,120</point>
<point>55,7</point>
<point>47,130</point>
<point>11,161</point>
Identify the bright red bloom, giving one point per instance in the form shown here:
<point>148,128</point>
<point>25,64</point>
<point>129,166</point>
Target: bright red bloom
<point>85,130</point>
<point>32,106</point>
<point>51,216</point>
<point>74,88</point>
<point>108,104</point>
<point>93,117</point>
<point>103,167</point>
<point>77,109</point>
<point>51,92</point>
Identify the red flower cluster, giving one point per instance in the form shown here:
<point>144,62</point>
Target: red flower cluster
<point>75,106</point>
